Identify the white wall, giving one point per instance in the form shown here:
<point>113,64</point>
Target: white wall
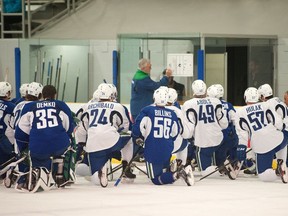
<point>104,19</point>
<point>100,62</point>
<point>282,75</point>
<point>101,21</point>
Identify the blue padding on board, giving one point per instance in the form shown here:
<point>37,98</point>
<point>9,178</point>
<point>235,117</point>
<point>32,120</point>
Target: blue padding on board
<point>200,64</point>
<point>17,53</point>
<point>115,67</point>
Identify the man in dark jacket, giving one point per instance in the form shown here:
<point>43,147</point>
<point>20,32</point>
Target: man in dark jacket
<point>143,87</point>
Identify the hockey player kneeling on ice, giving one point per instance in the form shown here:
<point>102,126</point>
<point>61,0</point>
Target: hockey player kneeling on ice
<point>30,92</point>
<point>6,136</point>
<point>207,115</point>
<point>186,130</point>
<point>45,129</point>
<point>158,127</point>
<point>228,147</point>
<point>100,125</point>
<point>265,128</point>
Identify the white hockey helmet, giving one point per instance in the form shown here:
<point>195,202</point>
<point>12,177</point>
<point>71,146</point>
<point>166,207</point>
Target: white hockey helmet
<point>220,90</point>
<point>23,89</point>
<point>115,92</point>
<point>96,95</point>
<point>199,87</point>
<point>251,95</point>
<point>5,89</point>
<point>265,90</point>
<point>164,88</point>
<point>212,91</point>
<point>34,89</point>
<point>160,97</point>
<point>172,95</point>
<point>105,91</point>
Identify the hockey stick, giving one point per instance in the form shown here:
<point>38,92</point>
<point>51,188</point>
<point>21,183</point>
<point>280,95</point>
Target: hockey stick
<point>43,67</point>
<point>11,165</point>
<point>51,72</point>
<point>128,165</point>
<point>59,74</point>
<point>218,168</point>
<point>7,162</point>
<point>64,85</point>
<point>48,73</point>
<point>30,172</point>
<point>56,73</point>
<point>35,74</point>
<point>76,90</point>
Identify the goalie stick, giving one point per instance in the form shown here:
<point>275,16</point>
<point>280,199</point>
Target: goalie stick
<point>128,165</point>
<point>11,165</point>
<point>218,168</point>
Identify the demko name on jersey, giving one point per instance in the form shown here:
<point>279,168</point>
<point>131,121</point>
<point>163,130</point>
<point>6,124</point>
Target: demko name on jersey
<point>253,108</point>
<point>46,104</point>
<point>162,113</point>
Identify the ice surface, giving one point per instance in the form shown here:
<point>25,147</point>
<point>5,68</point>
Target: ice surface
<point>221,196</point>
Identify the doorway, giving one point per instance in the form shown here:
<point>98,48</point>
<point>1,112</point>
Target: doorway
<point>249,63</point>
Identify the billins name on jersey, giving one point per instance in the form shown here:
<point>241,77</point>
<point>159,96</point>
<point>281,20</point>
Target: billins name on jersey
<point>3,106</point>
<point>164,113</point>
<point>253,108</point>
<point>46,104</point>
<point>203,101</point>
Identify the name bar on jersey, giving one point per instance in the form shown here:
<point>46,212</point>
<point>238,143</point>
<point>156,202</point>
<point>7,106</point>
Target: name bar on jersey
<point>253,108</point>
<point>46,104</point>
<point>164,113</point>
<point>101,105</point>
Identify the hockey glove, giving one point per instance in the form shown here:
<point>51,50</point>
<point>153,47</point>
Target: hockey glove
<point>241,152</point>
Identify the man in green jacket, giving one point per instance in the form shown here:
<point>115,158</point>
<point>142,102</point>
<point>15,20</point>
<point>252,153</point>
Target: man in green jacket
<point>143,87</point>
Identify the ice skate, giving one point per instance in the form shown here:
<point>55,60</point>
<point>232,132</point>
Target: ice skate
<point>281,171</point>
<point>128,175</point>
<point>102,175</point>
<point>228,169</point>
<point>11,178</point>
<point>186,174</point>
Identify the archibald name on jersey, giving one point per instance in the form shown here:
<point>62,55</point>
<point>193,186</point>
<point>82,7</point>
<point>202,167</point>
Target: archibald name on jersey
<point>203,101</point>
<point>46,104</point>
<point>164,113</point>
<point>253,108</point>
<point>3,106</point>
<point>101,105</point>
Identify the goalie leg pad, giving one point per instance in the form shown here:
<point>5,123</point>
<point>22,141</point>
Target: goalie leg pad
<point>69,166</point>
<point>64,168</point>
<point>40,180</point>
<point>57,171</point>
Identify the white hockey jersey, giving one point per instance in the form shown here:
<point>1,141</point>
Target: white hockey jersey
<point>259,124</point>
<point>100,123</point>
<point>186,129</point>
<point>17,113</point>
<point>209,120</point>
<point>280,107</point>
